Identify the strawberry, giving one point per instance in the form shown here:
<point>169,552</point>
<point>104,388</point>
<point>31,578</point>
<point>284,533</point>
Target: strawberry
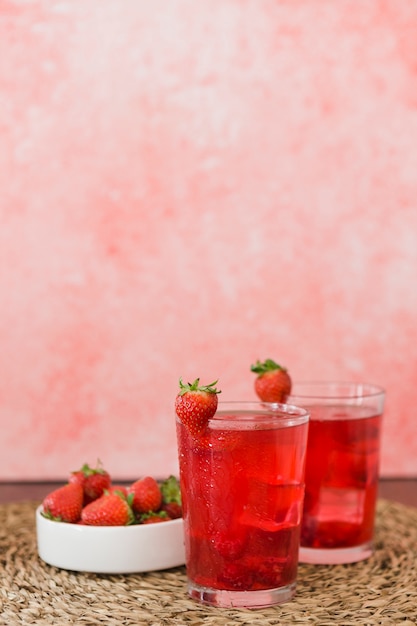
<point>273,383</point>
<point>195,405</point>
<point>154,518</point>
<point>110,509</point>
<point>170,490</point>
<point>118,488</point>
<point>64,504</point>
<point>93,481</point>
<point>146,494</point>
<point>172,509</point>
<point>77,478</point>
<point>171,497</point>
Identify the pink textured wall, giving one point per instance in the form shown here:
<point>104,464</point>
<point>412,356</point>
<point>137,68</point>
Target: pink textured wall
<point>186,187</point>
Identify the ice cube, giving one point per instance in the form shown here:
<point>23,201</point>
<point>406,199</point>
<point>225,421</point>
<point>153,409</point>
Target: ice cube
<point>273,507</point>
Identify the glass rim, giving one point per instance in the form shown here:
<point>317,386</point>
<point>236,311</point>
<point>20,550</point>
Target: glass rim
<point>321,390</point>
<point>266,410</point>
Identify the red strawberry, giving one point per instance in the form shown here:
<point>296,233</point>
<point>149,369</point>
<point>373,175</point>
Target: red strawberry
<point>195,405</point>
<point>118,488</point>
<point>170,489</point>
<point>93,481</point>
<point>77,478</point>
<point>171,497</point>
<point>172,509</point>
<point>111,509</point>
<point>273,383</point>
<point>147,495</point>
<point>64,504</point>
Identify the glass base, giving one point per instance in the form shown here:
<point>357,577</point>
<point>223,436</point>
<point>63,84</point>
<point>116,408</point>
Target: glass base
<point>335,556</point>
<point>243,599</point>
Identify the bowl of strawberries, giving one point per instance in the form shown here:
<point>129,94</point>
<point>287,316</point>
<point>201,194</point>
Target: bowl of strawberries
<point>90,524</point>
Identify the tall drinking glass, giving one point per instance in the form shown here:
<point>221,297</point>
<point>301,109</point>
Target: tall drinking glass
<point>242,487</point>
<point>342,469</point>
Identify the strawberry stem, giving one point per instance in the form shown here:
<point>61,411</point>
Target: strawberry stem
<point>87,470</point>
<point>195,386</point>
<point>266,366</point>
<point>170,489</point>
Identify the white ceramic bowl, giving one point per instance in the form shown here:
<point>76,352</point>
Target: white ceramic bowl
<point>110,549</point>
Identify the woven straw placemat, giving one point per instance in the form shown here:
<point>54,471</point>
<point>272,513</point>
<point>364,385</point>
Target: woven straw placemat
<point>381,590</point>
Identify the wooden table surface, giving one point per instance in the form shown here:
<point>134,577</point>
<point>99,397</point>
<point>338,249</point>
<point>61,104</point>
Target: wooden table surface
<point>402,490</point>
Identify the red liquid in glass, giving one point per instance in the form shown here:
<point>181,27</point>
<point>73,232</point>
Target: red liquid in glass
<point>341,477</point>
<point>242,496</point>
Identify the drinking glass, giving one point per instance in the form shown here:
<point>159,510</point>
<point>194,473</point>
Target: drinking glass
<point>242,488</point>
<point>342,469</point>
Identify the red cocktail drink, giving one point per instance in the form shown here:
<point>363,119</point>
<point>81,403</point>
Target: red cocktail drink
<point>242,485</point>
<point>342,471</point>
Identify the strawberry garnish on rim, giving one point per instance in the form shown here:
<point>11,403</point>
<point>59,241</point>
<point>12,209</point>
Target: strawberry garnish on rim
<point>195,404</point>
<point>273,383</point>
